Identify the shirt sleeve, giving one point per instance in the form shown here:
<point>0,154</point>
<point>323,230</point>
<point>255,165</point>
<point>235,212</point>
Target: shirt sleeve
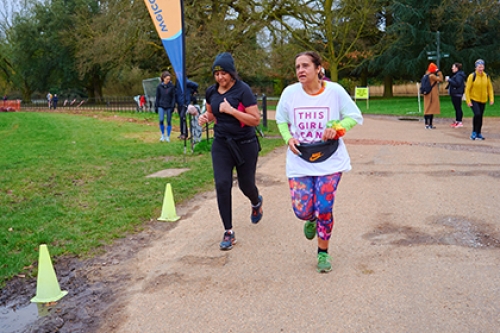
<point>490,91</point>
<point>348,109</point>
<point>468,88</point>
<point>247,96</point>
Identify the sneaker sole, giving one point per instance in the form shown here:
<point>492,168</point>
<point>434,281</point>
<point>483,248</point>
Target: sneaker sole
<point>227,248</point>
<point>305,233</point>
<point>324,270</point>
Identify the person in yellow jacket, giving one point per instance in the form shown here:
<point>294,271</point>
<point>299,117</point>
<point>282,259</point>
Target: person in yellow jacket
<point>478,90</point>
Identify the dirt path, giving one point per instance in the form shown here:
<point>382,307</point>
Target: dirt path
<point>416,248</point>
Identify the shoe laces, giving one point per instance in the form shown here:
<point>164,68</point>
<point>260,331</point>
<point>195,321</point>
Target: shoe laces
<point>323,257</point>
<point>256,209</point>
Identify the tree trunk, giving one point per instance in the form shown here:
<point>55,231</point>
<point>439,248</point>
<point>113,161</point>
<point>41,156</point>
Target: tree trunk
<point>26,92</point>
<point>334,72</point>
<point>364,77</point>
<point>388,86</point>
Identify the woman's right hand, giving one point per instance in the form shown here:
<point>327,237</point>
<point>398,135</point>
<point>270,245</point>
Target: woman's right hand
<point>292,144</point>
<point>203,119</point>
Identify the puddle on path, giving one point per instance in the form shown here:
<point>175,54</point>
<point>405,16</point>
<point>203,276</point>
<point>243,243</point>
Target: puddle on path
<point>13,320</point>
<point>458,231</point>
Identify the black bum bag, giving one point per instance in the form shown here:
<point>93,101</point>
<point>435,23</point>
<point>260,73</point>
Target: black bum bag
<point>318,151</point>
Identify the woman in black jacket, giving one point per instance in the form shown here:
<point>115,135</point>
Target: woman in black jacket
<point>456,87</point>
<point>164,104</point>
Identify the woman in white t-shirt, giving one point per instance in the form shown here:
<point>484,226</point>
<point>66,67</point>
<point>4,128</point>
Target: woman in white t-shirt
<point>312,116</point>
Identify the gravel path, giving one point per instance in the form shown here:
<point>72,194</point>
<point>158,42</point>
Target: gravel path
<point>416,247</point>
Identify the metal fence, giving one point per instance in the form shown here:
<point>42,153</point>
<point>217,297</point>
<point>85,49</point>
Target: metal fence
<point>122,103</point>
<point>118,104</point>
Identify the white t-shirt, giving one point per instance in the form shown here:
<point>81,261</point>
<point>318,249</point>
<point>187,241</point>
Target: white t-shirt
<point>307,116</point>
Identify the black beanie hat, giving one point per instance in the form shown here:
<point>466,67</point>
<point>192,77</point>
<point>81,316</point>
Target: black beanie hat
<point>224,62</point>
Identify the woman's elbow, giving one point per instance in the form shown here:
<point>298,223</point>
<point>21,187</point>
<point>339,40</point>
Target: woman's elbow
<point>255,122</point>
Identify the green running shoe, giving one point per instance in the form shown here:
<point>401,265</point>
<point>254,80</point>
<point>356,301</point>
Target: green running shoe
<point>310,229</point>
<point>324,264</point>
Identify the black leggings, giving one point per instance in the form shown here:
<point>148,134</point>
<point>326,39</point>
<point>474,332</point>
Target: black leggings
<point>477,120</point>
<point>183,123</point>
<point>223,163</point>
<point>457,104</point>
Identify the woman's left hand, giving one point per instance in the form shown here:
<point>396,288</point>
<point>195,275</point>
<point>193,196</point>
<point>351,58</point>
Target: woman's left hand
<point>225,107</point>
<point>329,134</point>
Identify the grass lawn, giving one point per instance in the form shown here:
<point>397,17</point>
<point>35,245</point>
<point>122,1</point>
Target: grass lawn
<point>75,182</point>
<point>408,106</point>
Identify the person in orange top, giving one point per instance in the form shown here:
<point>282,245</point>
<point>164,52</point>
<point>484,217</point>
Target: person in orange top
<point>431,100</point>
<point>478,90</point>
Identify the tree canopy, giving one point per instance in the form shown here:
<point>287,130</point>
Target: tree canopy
<point>107,47</point>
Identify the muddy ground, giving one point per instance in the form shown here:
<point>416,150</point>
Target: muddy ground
<point>93,285</point>
<point>447,252</point>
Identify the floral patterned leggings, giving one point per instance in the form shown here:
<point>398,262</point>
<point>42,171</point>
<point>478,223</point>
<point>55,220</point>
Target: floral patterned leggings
<point>313,198</point>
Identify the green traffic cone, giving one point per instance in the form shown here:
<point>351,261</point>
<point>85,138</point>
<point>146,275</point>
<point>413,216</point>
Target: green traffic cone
<point>168,210</point>
<point>47,287</point>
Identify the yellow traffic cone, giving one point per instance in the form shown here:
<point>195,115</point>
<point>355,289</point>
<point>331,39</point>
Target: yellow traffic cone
<point>47,287</point>
<point>168,211</point>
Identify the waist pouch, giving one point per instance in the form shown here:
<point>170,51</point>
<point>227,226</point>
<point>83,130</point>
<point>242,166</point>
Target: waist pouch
<point>235,151</point>
<point>234,148</point>
<point>318,151</point>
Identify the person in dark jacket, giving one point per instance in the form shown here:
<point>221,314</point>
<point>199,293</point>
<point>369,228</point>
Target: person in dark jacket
<point>456,88</point>
<point>55,99</point>
<point>164,105</point>
<point>183,100</point>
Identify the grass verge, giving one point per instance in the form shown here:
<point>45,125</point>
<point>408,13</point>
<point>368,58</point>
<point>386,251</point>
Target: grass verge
<point>76,182</point>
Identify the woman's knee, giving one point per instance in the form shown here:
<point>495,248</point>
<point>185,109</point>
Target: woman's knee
<point>303,212</point>
<point>223,185</point>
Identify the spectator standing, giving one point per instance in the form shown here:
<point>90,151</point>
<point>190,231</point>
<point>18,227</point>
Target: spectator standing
<point>49,99</point>
<point>183,100</point>
<point>142,102</point>
<point>231,103</point>
<point>478,90</point>
<point>55,99</point>
<point>431,100</point>
<point>164,105</point>
<point>312,116</point>
<point>456,89</point>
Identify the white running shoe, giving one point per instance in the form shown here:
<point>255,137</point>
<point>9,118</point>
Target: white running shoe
<point>162,138</point>
<point>167,138</point>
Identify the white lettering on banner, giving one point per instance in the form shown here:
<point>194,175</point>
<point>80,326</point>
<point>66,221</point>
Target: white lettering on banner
<point>159,18</point>
<point>311,123</point>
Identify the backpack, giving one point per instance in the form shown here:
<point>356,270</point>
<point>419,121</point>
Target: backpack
<point>425,85</point>
<point>474,76</point>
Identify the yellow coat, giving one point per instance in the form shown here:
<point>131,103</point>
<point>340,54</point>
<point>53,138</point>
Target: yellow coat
<point>479,90</point>
<point>431,100</point>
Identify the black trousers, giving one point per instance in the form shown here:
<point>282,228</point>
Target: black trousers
<point>428,119</point>
<point>477,120</point>
<point>224,162</point>
<point>183,124</point>
<point>457,104</point>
